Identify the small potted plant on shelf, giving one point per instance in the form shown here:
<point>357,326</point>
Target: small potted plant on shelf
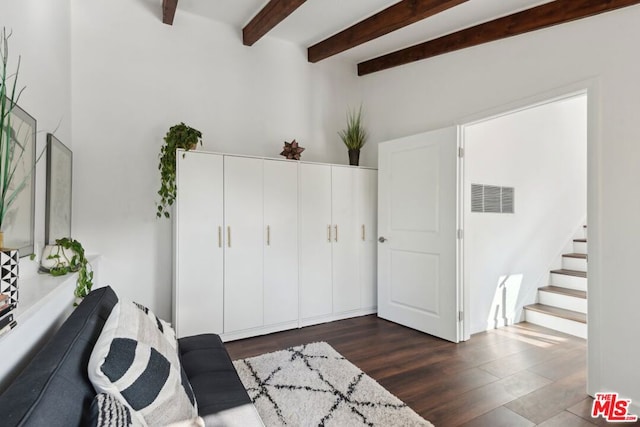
<point>178,136</point>
<point>354,136</point>
<point>67,256</point>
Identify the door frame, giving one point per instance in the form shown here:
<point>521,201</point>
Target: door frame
<point>590,88</point>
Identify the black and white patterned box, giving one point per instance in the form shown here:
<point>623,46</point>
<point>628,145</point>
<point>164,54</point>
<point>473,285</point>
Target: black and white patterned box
<point>9,262</point>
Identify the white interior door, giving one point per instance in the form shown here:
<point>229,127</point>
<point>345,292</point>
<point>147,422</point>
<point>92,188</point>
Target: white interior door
<point>417,225</point>
<point>243,259</point>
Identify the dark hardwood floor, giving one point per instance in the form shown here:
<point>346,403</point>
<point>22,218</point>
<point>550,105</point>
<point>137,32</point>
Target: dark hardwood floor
<point>522,375</point>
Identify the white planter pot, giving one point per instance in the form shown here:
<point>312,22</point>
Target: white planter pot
<point>52,250</point>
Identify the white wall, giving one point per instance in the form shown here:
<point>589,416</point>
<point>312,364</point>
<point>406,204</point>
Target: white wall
<point>542,153</point>
<point>450,88</point>
<point>134,77</point>
<point>41,37</point>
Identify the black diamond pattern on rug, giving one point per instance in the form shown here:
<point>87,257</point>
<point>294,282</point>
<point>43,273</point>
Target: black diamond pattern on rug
<point>313,384</point>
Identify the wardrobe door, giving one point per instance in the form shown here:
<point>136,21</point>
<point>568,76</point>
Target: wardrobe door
<point>198,222</point>
<point>345,270</point>
<point>243,213</point>
<point>280,229</point>
<point>315,240</point>
<point>367,197</point>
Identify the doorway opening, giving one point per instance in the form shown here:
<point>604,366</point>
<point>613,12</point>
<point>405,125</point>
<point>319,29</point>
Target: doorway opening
<point>524,205</point>
<point>424,271</point>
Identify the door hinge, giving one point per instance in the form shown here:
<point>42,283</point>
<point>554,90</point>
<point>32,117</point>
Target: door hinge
<point>460,234</point>
<point>460,152</point>
<point>460,316</point>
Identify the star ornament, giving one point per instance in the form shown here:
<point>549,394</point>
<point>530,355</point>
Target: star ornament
<point>292,150</point>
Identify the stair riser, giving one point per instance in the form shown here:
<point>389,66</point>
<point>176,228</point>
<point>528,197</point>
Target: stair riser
<point>557,323</point>
<point>571,282</point>
<point>580,247</point>
<point>563,301</point>
<point>569,263</point>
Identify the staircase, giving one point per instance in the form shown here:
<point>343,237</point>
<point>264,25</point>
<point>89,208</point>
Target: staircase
<point>562,305</point>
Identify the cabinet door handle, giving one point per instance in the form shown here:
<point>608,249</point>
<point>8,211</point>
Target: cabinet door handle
<point>268,235</point>
<point>228,235</point>
<point>219,236</point>
<point>363,236</point>
<point>336,239</point>
<point>329,233</point>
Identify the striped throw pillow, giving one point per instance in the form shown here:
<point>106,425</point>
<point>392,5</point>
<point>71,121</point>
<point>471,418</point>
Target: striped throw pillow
<point>110,412</point>
<point>135,359</point>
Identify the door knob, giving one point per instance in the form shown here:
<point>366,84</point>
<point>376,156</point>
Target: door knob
<point>381,239</point>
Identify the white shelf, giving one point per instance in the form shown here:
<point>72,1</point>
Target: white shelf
<point>35,290</point>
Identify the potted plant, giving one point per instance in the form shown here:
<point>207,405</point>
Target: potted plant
<point>67,256</point>
<point>354,136</point>
<point>11,154</point>
<point>8,149</point>
<point>178,136</point>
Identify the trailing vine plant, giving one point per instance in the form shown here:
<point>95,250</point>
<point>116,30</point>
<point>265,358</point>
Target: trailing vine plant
<point>178,136</point>
<point>77,263</point>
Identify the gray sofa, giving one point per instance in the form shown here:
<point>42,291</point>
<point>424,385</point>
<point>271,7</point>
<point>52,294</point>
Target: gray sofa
<point>54,389</point>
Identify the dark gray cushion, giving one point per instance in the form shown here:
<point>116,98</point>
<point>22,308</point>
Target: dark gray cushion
<point>54,389</point>
<point>213,378</point>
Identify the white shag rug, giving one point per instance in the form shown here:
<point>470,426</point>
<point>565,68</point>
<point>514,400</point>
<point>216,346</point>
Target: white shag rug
<point>313,385</point>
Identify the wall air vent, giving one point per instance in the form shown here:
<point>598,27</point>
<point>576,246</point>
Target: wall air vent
<point>491,198</point>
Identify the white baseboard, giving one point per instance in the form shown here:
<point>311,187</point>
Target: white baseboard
<point>336,316</point>
<point>254,332</point>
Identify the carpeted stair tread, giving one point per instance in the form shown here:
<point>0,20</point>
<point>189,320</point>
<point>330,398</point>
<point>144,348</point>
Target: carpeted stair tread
<point>558,312</point>
<point>564,291</point>
<point>566,272</point>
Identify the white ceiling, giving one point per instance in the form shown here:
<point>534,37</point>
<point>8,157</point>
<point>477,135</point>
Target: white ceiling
<point>316,20</point>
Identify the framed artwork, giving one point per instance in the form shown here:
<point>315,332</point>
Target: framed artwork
<point>58,205</point>
<point>19,220</point>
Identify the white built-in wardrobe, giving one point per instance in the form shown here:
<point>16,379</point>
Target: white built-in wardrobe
<point>263,245</point>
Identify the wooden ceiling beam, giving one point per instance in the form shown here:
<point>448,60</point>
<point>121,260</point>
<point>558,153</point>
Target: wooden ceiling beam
<point>392,18</point>
<point>169,11</point>
<point>546,15</point>
<point>271,15</point>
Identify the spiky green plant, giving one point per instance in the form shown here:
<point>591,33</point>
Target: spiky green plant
<point>8,99</point>
<point>354,136</point>
<point>11,150</point>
